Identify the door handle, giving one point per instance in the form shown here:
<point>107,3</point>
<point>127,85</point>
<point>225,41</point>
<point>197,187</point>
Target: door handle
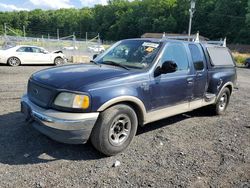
<point>199,74</point>
<point>190,80</point>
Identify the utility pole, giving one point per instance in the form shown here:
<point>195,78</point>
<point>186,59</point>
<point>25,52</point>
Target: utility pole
<point>86,37</point>
<point>98,38</point>
<point>24,33</point>
<point>74,40</point>
<point>191,11</point>
<point>58,35</point>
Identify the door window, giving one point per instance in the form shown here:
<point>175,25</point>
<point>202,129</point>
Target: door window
<point>36,50</point>
<point>177,53</point>
<point>28,49</point>
<point>197,57</point>
<point>22,49</point>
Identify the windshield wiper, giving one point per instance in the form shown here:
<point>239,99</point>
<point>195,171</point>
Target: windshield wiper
<point>115,64</point>
<point>92,61</point>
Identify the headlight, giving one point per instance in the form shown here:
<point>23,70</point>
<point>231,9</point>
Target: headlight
<point>71,100</point>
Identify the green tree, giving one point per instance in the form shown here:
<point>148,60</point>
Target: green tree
<point>248,15</point>
<point>125,19</point>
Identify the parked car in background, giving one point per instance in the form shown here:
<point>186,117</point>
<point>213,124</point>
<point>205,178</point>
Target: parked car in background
<point>70,48</point>
<point>96,49</point>
<point>23,54</point>
<point>133,83</point>
<point>247,63</point>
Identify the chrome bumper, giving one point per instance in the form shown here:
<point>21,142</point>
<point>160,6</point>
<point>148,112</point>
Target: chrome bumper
<point>73,128</point>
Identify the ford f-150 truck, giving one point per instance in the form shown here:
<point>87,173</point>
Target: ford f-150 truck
<point>133,83</point>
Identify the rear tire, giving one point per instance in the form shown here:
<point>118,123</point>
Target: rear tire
<point>222,102</point>
<point>114,129</point>
<point>58,61</point>
<point>14,61</point>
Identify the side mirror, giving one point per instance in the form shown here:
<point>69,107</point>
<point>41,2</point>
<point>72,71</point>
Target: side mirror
<point>167,67</point>
<point>95,55</point>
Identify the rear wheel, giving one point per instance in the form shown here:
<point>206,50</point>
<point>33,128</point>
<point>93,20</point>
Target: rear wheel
<point>14,61</point>
<point>58,61</point>
<point>222,102</point>
<point>114,129</point>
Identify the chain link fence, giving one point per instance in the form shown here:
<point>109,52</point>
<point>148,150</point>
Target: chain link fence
<point>71,47</point>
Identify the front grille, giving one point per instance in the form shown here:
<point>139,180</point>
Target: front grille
<point>40,95</point>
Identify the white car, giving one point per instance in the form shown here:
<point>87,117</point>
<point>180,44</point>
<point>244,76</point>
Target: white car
<point>96,48</point>
<point>23,54</point>
<point>70,48</point>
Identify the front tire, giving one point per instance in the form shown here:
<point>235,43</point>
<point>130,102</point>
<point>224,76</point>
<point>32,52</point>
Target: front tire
<point>114,129</point>
<point>14,61</point>
<point>58,61</point>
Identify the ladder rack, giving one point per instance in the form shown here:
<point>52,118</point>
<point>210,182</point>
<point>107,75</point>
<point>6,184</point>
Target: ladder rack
<point>195,38</point>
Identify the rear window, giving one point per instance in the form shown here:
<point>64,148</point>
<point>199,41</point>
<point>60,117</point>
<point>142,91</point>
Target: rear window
<point>220,56</point>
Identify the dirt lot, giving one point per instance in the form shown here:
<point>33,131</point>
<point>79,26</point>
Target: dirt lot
<point>191,150</point>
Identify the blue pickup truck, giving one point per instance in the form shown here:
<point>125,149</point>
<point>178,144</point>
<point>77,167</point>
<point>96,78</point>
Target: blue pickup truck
<point>133,83</point>
<point>247,63</point>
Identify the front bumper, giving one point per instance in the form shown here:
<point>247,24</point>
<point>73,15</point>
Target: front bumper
<point>70,128</point>
<point>65,60</point>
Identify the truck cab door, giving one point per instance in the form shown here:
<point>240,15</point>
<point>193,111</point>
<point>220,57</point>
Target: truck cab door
<point>200,73</point>
<point>172,91</point>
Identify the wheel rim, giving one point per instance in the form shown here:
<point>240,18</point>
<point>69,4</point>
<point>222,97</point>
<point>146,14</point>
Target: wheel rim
<point>58,61</point>
<point>14,61</point>
<point>119,130</point>
<point>223,102</point>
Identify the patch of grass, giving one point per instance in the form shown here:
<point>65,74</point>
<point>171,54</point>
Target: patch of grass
<point>240,58</point>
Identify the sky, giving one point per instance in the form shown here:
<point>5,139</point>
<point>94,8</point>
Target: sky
<point>18,5</point>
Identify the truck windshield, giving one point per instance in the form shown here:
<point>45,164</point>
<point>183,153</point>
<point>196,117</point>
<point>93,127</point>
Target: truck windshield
<point>137,54</point>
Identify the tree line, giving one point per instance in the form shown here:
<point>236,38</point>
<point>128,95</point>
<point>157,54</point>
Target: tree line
<point>124,19</point>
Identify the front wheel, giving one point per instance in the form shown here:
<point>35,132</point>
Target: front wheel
<point>58,61</point>
<point>114,129</point>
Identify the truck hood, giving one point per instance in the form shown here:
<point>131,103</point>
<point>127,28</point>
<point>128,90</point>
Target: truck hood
<point>74,77</point>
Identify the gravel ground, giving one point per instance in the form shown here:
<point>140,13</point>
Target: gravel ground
<point>190,150</point>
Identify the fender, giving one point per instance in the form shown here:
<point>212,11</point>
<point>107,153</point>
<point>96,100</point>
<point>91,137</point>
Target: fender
<point>224,86</point>
<point>120,99</point>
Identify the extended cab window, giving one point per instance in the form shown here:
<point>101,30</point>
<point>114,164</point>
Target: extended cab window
<point>197,57</point>
<point>220,56</point>
<point>177,53</point>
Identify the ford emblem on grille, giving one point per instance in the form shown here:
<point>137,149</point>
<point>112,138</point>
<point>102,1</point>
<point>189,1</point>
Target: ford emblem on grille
<point>35,91</point>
